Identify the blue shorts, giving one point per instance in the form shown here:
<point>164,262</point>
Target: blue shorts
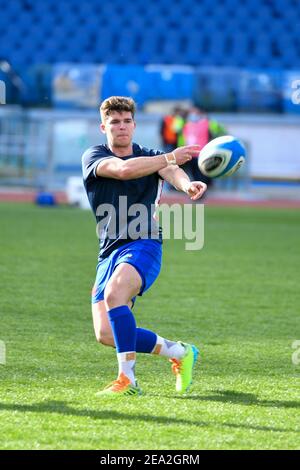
<point>144,255</point>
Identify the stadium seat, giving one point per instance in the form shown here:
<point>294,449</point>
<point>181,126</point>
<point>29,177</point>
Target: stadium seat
<point>126,44</point>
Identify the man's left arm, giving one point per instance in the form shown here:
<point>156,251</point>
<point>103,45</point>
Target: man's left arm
<point>180,180</point>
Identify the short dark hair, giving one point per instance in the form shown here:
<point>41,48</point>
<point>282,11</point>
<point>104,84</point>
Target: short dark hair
<point>117,103</point>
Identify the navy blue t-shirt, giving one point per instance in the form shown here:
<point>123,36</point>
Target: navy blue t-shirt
<point>124,209</point>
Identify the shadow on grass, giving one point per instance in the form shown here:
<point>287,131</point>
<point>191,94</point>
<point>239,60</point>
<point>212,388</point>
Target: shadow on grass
<point>229,396</point>
<point>63,408</point>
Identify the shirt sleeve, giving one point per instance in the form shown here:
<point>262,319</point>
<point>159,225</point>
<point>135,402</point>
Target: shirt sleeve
<point>146,152</point>
<point>154,153</point>
<point>91,159</point>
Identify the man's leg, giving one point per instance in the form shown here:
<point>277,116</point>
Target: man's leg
<point>124,284</point>
<point>181,355</point>
<point>146,341</point>
<point>102,326</point>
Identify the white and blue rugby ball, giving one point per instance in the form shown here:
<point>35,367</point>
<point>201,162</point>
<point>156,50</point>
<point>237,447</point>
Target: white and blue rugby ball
<point>222,156</point>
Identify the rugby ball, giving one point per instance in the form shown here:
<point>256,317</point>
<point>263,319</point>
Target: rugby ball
<point>222,156</point>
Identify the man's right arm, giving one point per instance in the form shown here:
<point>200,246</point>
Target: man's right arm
<point>143,166</point>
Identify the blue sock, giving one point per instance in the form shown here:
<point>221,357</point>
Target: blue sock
<point>124,328</point>
<point>145,340</point>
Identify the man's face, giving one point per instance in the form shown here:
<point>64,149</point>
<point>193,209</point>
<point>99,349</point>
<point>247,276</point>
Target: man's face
<point>119,128</point>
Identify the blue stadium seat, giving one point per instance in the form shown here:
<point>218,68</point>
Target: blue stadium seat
<point>126,43</point>
<point>148,46</point>
<point>103,46</point>
<point>171,47</point>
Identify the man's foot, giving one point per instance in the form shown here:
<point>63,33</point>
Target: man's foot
<point>183,368</point>
<point>119,387</point>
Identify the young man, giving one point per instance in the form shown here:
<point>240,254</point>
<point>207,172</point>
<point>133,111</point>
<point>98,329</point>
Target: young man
<point>118,178</point>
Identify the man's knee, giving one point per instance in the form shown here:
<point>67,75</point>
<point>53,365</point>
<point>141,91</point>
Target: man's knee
<point>113,297</point>
<point>124,285</point>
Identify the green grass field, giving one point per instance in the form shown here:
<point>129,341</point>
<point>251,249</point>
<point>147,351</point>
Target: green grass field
<point>238,299</point>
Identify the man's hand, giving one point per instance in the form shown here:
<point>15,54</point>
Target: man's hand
<point>195,189</point>
<point>184,154</point>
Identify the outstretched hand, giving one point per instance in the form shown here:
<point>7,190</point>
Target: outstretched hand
<point>186,153</point>
<point>196,189</point>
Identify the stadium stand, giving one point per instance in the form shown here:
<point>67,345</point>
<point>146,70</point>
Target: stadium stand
<point>227,33</point>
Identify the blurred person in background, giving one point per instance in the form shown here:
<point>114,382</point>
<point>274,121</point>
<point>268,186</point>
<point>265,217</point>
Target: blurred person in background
<point>171,128</point>
<point>171,134</point>
<point>199,129</point>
